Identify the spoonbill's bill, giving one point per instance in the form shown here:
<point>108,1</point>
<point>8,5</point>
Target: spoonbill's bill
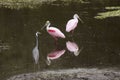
<point>53,31</point>
<point>72,23</point>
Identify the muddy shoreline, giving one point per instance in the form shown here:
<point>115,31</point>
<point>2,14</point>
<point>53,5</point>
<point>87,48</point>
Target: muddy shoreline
<point>71,74</point>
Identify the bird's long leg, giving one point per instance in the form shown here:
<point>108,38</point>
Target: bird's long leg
<point>72,32</point>
<point>56,41</point>
<point>38,66</point>
<point>34,67</point>
<point>72,39</point>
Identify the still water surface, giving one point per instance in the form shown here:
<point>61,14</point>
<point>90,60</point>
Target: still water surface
<point>100,39</point>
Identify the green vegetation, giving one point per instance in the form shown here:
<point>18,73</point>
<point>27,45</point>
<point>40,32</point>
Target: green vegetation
<point>17,4</point>
<point>111,8</point>
<point>115,12</point>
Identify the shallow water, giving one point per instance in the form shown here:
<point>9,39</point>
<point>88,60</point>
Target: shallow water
<point>99,39</point>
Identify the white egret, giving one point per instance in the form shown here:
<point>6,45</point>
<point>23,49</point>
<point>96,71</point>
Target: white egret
<point>36,50</point>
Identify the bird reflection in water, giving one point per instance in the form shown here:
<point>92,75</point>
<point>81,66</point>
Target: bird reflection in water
<point>73,47</point>
<point>54,55</point>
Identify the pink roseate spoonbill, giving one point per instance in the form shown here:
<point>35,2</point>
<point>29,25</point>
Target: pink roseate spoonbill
<point>54,55</point>
<point>72,23</point>
<point>53,31</point>
<point>35,51</point>
<point>73,47</point>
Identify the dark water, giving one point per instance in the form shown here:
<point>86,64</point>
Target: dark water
<point>100,39</point>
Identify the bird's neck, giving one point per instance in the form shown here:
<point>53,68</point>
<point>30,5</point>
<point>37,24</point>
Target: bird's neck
<point>36,41</point>
<point>48,26</point>
<point>75,17</point>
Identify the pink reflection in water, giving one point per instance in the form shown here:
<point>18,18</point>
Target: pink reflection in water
<point>73,47</point>
<point>54,55</point>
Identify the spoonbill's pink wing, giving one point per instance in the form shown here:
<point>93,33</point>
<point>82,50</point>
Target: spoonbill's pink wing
<point>71,25</point>
<point>55,32</point>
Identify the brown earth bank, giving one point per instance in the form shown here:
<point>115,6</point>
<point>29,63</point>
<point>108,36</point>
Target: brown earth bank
<point>71,74</point>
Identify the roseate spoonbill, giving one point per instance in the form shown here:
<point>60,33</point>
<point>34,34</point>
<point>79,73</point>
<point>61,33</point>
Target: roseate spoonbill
<point>53,31</point>
<point>72,23</point>
<point>73,47</point>
<point>35,50</point>
<point>54,55</point>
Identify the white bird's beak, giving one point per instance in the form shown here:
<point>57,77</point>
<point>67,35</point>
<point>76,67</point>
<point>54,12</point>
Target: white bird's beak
<point>39,32</point>
<point>80,20</point>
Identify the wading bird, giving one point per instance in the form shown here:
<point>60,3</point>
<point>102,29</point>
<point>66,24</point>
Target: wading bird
<point>73,47</point>
<point>53,31</point>
<point>54,55</point>
<point>35,50</point>
<point>72,23</point>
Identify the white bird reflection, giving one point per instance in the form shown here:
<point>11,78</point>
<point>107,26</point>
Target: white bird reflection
<point>73,47</point>
<point>54,55</point>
